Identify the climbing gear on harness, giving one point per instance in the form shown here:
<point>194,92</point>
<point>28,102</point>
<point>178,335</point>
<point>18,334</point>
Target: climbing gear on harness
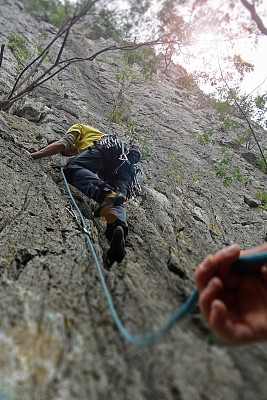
<point>135,188</point>
<point>123,156</point>
<point>187,307</point>
<point>131,156</point>
<point>111,200</point>
<point>109,140</point>
<point>116,251</point>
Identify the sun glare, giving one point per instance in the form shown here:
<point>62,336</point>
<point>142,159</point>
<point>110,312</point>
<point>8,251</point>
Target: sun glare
<point>207,40</point>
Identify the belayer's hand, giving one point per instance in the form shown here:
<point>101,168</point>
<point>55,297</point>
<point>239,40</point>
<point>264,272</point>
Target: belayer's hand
<point>234,304</point>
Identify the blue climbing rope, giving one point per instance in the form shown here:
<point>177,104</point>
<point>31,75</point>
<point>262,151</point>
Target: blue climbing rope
<point>186,308</point>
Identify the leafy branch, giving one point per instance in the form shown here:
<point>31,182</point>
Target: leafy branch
<point>243,113</point>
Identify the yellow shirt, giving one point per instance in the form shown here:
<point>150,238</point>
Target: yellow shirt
<point>87,136</point>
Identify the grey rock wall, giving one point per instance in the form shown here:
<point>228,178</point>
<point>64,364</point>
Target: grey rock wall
<point>57,336</point>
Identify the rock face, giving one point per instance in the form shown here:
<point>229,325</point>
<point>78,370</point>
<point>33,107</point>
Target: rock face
<point>58,339</point>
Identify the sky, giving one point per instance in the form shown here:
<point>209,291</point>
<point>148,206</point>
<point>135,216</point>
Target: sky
<point>209,47</point>
<point>258,57</point>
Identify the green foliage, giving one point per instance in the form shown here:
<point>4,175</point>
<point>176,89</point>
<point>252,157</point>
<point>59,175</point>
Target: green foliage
<point>19,46</point>
<point>125,77</point>
<point>172,24</point>
<point>196,176</point>
<point>130,128</point>
<point>145,148</point>
<point>227,173</point>
<point>245,138</point>
<point>210,340</point>
<point>226,112</point>
<point>262,196</point>
<point>259,109</point>
<point>242,66</point>
<point>171,175</point>
<point>260,102</point>
<point>53,11</point>
<point>205,137</point>
<point>104,24</point>
<point>222,170</point>
<point>119,110</point>
<point>48,58</point>
<point>139,7</point>
<point>145,57</point>
<point>262,162</point>
<point>187,81</point>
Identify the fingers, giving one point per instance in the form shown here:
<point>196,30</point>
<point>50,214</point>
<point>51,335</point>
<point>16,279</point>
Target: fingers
<point>208,295</point>
<point>231,333</point>
<point>225,258</point>
<point>264,273</point>
<point>222,260</point>
<point>26,151</point>
<point>205,272</point>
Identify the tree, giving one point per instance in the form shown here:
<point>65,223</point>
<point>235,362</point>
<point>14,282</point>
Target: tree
<point>255,16</point>
<point>30,77</point>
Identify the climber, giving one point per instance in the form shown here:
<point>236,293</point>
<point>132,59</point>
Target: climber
<point>104,171</point>
<point>234,304</point>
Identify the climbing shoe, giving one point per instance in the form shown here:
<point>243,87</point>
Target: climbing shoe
<point>116,252</point>
<point>111,200</point>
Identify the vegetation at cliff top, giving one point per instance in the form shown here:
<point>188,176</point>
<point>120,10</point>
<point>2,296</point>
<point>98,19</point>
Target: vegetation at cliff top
<point>178,26</point>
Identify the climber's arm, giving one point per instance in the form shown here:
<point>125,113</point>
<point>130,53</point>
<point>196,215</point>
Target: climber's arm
<point>64,144</point>
<point>50,150</point>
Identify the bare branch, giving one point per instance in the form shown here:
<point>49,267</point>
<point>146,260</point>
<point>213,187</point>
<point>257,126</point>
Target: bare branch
<point>1,53</point>
<point>62,46</point>
<point>243,113</point>
<point>64,29</point>
<point>47,75</point>
<point>255,17</point>
<point>31,73</point>
<point>59,64</point>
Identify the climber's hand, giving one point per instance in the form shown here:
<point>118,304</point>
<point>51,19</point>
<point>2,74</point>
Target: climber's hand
<point>234,304</point>
<point>27,152</point>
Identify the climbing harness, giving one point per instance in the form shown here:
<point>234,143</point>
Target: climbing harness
<point>186,308</point>
<point>111,141</point>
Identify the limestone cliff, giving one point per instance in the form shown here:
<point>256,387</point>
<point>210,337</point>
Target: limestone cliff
<point>57,336</point>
